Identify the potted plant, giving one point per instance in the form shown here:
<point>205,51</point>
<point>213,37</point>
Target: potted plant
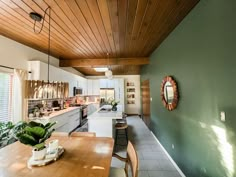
<point>114,105</point>
<point>6,136</point>
<point>34,134</point>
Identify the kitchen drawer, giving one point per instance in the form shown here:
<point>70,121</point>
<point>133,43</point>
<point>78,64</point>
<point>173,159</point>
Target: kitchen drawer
<point>61,120</point>
<point>68,121</point>
<point>63,128</point>
<point>73,124</point>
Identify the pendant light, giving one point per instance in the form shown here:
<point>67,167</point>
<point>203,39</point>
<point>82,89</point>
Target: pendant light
<point>108,73</point>
<point>37,18</point>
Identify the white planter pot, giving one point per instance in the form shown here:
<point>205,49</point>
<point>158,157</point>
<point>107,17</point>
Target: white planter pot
<point>39,155</point>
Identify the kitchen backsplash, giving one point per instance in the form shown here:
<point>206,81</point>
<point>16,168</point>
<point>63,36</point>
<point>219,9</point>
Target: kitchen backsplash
<point>33,103</point>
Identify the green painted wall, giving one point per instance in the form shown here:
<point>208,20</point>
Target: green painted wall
<point>201,55</point>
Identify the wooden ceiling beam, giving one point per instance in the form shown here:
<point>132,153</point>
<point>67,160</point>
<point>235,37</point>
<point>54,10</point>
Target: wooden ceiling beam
<point>104,62</point>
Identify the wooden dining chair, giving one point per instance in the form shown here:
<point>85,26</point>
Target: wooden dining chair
<point>80,134</point>
<point>131,159</point>
<point>59,134</point>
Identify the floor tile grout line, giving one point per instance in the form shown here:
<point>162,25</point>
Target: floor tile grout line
<point>140,132</point>
<point>169,157</point>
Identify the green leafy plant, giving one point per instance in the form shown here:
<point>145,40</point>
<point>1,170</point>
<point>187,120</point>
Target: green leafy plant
<point>113,103</point>
<point>6,136</point>
<point>33,134</point>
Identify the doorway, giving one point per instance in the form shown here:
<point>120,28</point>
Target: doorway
<point>145,89</point>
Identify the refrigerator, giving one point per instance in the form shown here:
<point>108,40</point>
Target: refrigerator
<point>107,93</point>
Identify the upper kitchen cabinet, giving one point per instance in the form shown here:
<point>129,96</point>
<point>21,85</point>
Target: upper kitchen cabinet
<point>82,83</point>
<point>39,71</point>
<point>93,87</point>
<point>89,87</point>
<point>111,83</point>
<point>103,83</point>
<point>85,86</point>
<point>96,87</point>
<point>107,83</point>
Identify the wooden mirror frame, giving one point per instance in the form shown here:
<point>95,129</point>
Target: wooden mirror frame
<point>174,103</point>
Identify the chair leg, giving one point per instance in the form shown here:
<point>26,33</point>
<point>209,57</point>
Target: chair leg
<point>126,135</point>
<point>116,137</point>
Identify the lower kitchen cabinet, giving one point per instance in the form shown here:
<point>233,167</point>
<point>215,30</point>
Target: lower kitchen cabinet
<point>68,121</point>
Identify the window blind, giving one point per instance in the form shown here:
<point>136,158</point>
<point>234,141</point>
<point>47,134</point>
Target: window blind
<point>6,80</point>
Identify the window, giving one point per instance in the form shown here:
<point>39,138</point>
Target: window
<point>6,81</point>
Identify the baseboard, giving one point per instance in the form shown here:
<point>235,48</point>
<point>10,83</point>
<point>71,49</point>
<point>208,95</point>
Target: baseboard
<point>172,161</point>
<point>133,115</point>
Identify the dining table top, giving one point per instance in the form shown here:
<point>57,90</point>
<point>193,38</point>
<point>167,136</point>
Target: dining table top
<point>83,157</point>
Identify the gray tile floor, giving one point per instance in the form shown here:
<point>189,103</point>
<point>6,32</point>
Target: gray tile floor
<point>153,162</point>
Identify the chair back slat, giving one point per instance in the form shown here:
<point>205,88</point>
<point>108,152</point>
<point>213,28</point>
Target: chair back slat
<point>132,159</point>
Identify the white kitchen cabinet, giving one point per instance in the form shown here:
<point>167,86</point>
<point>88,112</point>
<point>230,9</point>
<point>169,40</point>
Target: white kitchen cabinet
<point>93,87</point>
<point>119,91</point>
<point>68,121</point>
<point>107,83</point>
<point>111,83</point>
<point>103,83</point>
<point>85,87</point>
<point>90,87</point>
<point>96,87</point>
<point>63,128</point>
<point>74,119</point>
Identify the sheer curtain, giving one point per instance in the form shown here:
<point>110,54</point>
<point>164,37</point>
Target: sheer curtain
<point>19,102</point>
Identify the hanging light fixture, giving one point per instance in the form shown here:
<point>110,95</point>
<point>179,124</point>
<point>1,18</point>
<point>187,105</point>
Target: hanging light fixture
<point>37,18</point>
<point>108,73</point>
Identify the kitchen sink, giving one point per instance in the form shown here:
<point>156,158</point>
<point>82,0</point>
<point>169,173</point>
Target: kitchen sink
<point>105,110</point>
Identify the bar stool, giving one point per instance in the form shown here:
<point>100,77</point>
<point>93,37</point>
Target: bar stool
<point>123,120</point>
<point>121,128</point>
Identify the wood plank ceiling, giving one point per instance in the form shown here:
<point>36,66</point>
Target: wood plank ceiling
<point>89,29</point>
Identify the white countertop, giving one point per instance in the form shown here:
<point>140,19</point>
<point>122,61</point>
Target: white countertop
<point>55,113</point>
<point>87,103</point>
<point>107,114</point>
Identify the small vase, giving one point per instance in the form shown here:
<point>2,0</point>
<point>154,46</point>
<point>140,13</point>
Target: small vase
<point>39,154</point>
<point>114,108</point>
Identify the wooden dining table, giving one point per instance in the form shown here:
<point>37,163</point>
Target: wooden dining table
<point>83,157</point>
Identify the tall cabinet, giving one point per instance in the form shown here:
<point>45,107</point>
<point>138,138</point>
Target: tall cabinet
<point>93,87</point>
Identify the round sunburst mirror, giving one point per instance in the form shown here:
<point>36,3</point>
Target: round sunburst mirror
<point>169,93</point>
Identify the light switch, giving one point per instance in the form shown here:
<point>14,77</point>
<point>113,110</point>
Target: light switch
<point>151,99</point>
<point>222,116</point>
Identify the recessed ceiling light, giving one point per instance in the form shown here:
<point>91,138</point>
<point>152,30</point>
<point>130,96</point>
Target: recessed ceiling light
<point>100,69</point>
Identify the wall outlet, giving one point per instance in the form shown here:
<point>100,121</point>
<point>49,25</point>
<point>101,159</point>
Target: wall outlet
<point>173,146</point>
<point>222,116</point>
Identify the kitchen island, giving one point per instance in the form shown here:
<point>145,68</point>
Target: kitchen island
<point>102,121</point>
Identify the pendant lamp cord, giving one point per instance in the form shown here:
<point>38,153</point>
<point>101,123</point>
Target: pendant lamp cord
<point>42,24</point>
<point>49,32</point>
<point>49,36</point>
<point>108,61</point>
